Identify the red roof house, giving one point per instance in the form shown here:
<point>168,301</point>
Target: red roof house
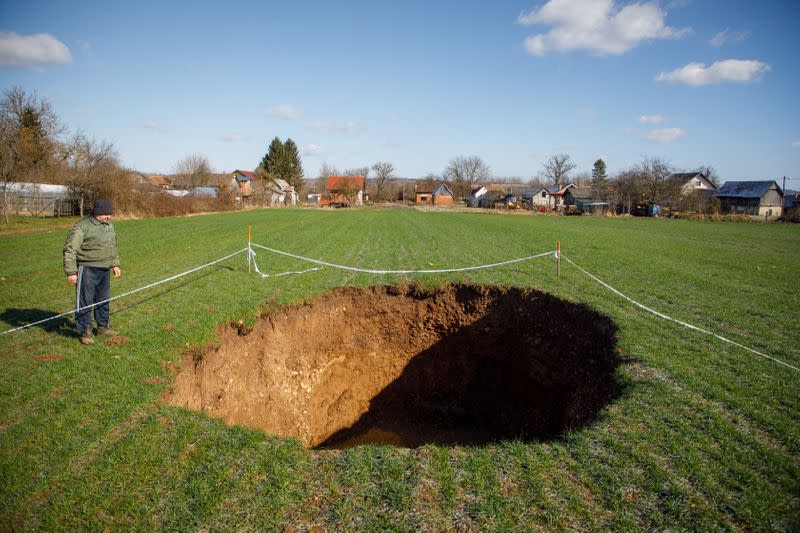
<point>346,190</point>
<point>162,182</point>
<point>243,179</point>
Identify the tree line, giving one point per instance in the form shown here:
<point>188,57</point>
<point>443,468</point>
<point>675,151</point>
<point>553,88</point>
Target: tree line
<point>36,146</point>
<point>650,180</point>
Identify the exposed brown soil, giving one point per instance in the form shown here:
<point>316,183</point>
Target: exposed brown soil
<point>407,366</point>
<point>117,340</point>
<point>50,357</point>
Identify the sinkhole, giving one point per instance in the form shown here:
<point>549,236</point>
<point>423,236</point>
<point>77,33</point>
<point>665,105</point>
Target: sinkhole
<point>407,366</point>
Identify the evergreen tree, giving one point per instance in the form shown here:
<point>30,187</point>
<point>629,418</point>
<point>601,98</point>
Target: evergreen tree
<point>599,179</point>
<point>282,161</point>
<point>272,161</point>
<point>294,166</point>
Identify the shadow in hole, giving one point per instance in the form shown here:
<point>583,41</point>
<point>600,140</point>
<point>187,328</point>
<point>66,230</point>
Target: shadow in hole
<point>530,369</point>
<point>66,325</point>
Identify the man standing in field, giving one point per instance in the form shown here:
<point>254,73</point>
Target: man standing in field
<point>90,256</point>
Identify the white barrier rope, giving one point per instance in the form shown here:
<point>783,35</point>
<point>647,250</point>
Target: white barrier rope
<point>425,271</point>
<point>176,276</point>
<point>684,324</point>
<point>263,275</point>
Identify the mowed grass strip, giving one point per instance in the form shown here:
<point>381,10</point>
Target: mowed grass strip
<point>703,435</point>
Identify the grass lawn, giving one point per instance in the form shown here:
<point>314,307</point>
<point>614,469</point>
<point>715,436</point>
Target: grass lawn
<point>704,435</point>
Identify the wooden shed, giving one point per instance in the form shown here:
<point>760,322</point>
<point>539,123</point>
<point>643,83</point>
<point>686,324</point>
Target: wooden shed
<point>582,200</point>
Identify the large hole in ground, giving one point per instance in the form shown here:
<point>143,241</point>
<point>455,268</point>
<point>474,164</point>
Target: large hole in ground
<point>407,366</point>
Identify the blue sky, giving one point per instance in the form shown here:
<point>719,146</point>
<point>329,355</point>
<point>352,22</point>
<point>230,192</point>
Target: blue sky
<point>694,82</point>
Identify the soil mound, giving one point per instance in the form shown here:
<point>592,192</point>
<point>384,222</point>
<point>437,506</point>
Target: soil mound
<point>403,365</point>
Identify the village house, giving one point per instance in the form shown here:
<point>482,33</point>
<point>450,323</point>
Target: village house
<point>555,195</point>
<point>689,191</point>
<point>345,191</point>
<point>440,195</point>
<point>690,182</point>
<point>475,195</point>
<point>762,199</point>
<point>242,185</point>
<point>281,193</point>
<point>535,198</point>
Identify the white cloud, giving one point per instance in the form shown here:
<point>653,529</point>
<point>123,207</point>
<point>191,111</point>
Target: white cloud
<point>312,150</point>
<point>38,50</point>
<point>347,127</point>
<point>727,71</point>
<point>727,36</point>
<point>158,126</point>
<point>796,144</point>
<point>652,119</point>
<point>597,26</point>
<point>286,112</point>
<point>666,135</point>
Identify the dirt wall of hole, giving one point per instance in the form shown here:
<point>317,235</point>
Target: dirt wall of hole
<point>505,362</point>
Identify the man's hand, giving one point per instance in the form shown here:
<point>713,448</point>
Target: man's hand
<point>117,272</point>
<point>73,279</point>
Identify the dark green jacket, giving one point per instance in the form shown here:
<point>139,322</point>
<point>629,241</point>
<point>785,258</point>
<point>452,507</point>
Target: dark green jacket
<point>90,243</point>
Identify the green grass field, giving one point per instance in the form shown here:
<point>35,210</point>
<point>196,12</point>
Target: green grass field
<point>704,435</point>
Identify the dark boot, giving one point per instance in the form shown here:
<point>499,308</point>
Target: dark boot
<point>87,337</point>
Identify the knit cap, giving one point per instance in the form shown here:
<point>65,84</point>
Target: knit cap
<point>102,207</point>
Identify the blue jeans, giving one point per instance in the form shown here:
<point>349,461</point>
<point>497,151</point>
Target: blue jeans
<point>94,285</point>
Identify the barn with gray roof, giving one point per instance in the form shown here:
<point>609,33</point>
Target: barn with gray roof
<point>754,198</point>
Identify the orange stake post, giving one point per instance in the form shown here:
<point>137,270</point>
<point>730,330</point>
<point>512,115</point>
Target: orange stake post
<point>558,259</point>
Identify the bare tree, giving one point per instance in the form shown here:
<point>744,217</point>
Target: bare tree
<point>464,173</point>
<point>582,179</point>
<point>29,131</point>
<point>321,183</point>
<point>655,175</point>
<point>537,183</point>
<point>557,168</point>
<point>89,162</point>
<point>383,172</point>
<point>194,171</point>
<point>358,171</point>
<point>648,181</point>
<point>7,173</point>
